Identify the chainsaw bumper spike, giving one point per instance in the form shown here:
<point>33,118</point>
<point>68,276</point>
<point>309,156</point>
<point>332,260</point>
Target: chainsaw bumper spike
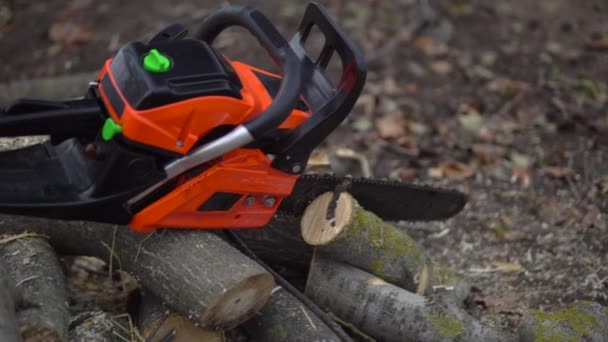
<point>173,134</point>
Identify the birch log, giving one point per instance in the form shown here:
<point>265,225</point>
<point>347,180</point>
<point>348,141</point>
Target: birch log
<point>195,271</point>
<point>8,322</point>
<point>341,228</point>
<point>42,294</point>
<point>387,312</point>
<point>285,318</point>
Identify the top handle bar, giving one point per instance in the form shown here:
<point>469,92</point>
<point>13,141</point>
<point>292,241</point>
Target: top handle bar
<point>278,49</point>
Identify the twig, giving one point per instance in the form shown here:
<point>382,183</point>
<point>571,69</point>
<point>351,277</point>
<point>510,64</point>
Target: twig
<point>26,280</point>
<point>351,327</point>
<point>12,238</point>
<point>308,317</point>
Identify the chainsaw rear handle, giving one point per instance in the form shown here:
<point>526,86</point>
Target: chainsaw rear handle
<point>279,50</point>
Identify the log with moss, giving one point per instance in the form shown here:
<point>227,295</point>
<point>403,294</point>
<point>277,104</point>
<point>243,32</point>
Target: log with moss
<point>581,321</point>
<point>387,312</point>
<point>285,318</point>
<point>41,288</point>
<point>8,321</point>
<point>157,323</point>
<point>195,271</point>
<point>341,228</point>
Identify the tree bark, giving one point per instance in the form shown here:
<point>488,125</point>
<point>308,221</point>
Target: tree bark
<point>8,321</point>
<point>195,271</point>
<point>280,245</point>
<point>387,312</point>
<point>42,294</point>
<point>285,318</point>
<point>580,321</point>
<point>340,227</point>
<point>155,322</point>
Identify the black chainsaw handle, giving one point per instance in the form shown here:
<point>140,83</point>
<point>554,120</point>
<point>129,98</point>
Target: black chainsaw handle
<point>278,49</point>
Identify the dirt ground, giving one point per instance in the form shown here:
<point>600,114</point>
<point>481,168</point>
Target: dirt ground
<point>505,100</point>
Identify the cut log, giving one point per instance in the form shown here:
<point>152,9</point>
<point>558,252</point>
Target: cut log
<point>280,245</point>
<point>156,323</point>
<point>285,318</point>
<point>195,271</point>
<point>8,322</point>
<point>42,294</point>
<point>96,326</point>
<point>387,312</point>
<point>581,321</point>
<point>340,227</point>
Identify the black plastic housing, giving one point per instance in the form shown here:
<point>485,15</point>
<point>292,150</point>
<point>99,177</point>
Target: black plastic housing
<point>196,70</point>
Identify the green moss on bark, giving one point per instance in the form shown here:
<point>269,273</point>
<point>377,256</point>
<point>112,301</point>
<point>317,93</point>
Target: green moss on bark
<point>578,321</point>
<point>445,323</point>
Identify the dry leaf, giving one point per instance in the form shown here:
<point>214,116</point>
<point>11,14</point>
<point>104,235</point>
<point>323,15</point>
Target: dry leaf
<point>507,267</point>
<point>390,86</point>
<point>598,42</point>
<point>69,33</point>
<point>391,126</point>
<point>403,174</point>
<point>487,153</point>
<point>521,175</point>
<point>558,172</point>
<point>411,88</point>
<point>367,102</point>
<point>470,119</point>
<point>440,68</point>
<point>452,169</point>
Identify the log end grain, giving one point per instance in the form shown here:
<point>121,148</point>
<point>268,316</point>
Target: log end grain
<point>321,223</point>
<point>241,302</point>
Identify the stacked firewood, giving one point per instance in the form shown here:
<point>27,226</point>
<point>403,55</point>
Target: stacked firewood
<point>343,264</point>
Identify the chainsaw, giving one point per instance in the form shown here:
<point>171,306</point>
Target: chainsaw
<point>173,134</point>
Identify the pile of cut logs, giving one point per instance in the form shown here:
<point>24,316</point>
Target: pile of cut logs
<point>364,273</point>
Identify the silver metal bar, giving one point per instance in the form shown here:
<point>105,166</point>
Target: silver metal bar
<point>236,138</point>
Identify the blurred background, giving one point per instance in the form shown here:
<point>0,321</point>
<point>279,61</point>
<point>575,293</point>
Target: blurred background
<point>506,100</point>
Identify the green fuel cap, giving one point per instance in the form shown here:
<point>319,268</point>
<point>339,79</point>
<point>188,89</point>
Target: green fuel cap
<point>156,62</point>
<point>110,129</point>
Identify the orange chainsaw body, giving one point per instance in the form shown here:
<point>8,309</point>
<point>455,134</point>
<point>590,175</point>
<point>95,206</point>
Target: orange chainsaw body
<point>247,189</point>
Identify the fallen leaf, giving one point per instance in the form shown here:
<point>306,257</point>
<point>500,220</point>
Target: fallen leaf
<point>452,169</point>
<point>390,86</point>
<point>68,32</point>
<point>597,41</point>
<point>558,172</point>
<point>362,125</point>
<point>487,153</point>
<point>403,174</point>
<point>555,213</point>
<point>507,267</point>
<point>391,126</point>
<point>408,142</point>
<point>471,120</point>
<point>440,68</point>
<point>521,175</point>
<point>411,88</point>
<point>485,134</point>
<point>520,160</point>
<point>367,102</point>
